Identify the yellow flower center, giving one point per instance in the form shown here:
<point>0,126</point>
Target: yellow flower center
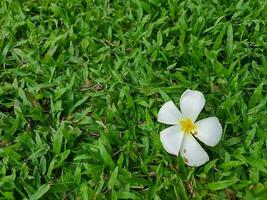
<point>187,126</point>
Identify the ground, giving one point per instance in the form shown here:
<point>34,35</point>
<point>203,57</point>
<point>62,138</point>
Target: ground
<point>81,83</point>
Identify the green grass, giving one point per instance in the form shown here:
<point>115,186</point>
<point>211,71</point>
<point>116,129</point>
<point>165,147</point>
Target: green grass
<point>81,83</point>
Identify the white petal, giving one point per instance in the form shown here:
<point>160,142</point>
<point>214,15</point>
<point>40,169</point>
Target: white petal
<point>169,113</point>
<point>171,139</point>
<point>209,131</point>
<point>191,103</point>
<point>191,151</point>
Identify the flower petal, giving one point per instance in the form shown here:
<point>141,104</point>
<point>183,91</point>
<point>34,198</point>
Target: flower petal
<point>191,104</point>
<point>169,113</point>
<point>192,152</point>
<point>171,139</point>
<point>209,131</point>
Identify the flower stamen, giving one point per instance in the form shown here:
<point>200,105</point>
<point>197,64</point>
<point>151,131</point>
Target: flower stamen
<point>187,126</point>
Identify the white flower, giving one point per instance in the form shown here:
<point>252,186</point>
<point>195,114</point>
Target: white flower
<point>180,138</point>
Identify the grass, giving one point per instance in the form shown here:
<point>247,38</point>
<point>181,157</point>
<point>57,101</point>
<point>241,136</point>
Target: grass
<point>81,83</point>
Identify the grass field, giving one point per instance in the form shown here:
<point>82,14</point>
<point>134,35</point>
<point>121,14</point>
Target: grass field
<point>81,83</point>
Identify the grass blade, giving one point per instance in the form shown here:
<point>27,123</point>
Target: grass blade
<point>40,192</point>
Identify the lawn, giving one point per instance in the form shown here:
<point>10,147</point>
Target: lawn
<point>82,81</point>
